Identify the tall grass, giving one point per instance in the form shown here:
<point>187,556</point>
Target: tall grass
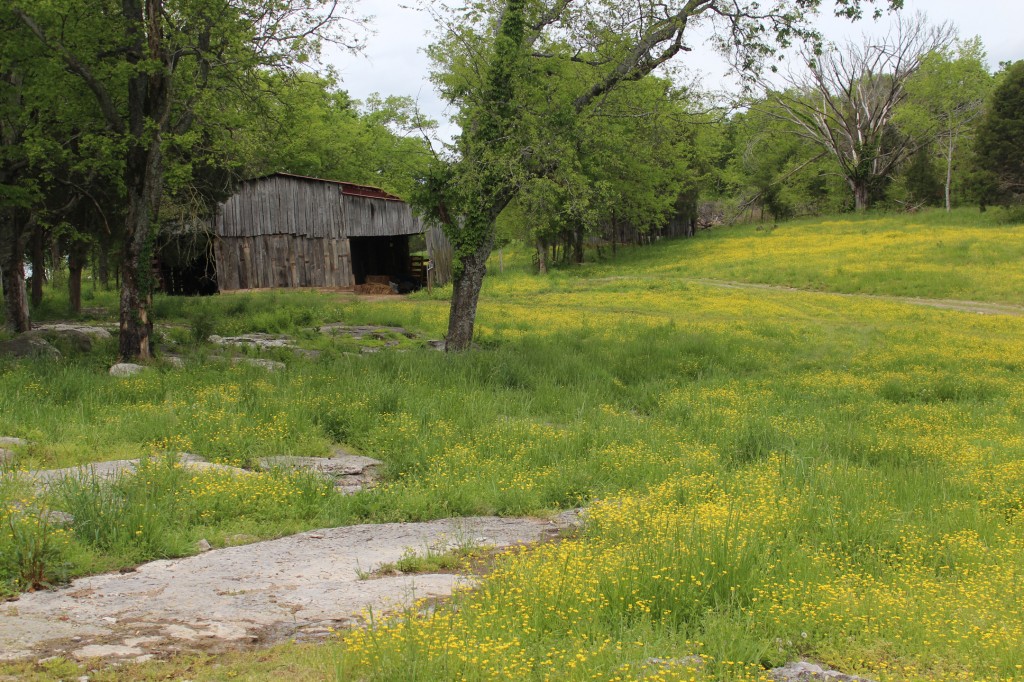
<point>771,475</point>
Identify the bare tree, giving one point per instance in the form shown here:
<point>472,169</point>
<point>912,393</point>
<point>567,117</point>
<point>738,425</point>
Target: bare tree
<point>845,98</point>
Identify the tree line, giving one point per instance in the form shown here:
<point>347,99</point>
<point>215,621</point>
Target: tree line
<point>577,125</point>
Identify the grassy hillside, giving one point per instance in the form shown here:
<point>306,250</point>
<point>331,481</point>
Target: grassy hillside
<point>771,474</point>
<point>931,255</point>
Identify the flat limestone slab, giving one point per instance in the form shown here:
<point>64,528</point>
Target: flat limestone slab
<point>264,591</point>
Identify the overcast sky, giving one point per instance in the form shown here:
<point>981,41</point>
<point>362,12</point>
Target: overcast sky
<point>394,63</point>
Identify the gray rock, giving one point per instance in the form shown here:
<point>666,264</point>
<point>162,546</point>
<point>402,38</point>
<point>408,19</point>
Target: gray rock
<point>75,340</point>
<point>360,332</point>
<point>125,369</point>
<point>6,457</point>
<point>436,345</point>
<point>232,596</point>
<point>174,361</point>
<point>111,469</point>
<point>350,473</point>
<point>9,441</point>
<point>58,518</point>
<point>269,365</point>
<point>105,651</point>
<point>60,328</point>
<point>805,671</point>
<point>341,464</point>
<point>572,518</point>
<point>80,337</point>
<point>204,545</point>
<point>252,340</point>
<point>29,346</point>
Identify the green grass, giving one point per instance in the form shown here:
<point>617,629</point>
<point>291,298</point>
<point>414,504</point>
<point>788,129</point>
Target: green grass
<point>772,474</point>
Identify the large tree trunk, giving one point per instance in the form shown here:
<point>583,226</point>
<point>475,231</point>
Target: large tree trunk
<point>542,257</point>
<point>38,264</point>
<point>12,265</point>
<point>148,117</point>
<point>861,195</point>
<point>465,295</point>
<point>144,176</point>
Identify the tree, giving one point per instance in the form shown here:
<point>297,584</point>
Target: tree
<point>149,65</point>
<point>945,100</point>
<point>308,126</point>
<point>524,74</point>
<point>1000,142</point>
<point>846,99</point>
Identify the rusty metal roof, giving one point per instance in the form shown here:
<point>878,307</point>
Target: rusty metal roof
<point>349,188</point>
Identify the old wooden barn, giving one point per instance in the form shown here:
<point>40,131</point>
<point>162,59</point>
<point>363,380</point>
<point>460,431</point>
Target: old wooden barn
<point>285,230</point>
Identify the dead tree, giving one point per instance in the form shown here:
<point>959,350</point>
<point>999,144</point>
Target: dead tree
<point>844,99</point>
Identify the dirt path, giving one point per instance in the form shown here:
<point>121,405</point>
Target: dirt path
<point>977,307</point>
<point>297,586</point>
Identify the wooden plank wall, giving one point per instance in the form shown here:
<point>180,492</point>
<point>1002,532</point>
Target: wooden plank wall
<point>441,253</point>
<point>293,232</point>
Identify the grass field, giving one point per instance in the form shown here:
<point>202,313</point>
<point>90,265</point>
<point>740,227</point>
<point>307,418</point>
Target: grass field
<point>771,475</point>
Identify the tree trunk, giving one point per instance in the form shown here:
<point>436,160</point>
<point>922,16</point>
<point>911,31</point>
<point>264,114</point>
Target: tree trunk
<point>38,256</point>
<point>76,262</point>
<point>949,176</point>
<point>577,245</point>
<point>861,196</point>
<point>13,268</point>
<point>542,257</point>
<point>148,117</point>
<point>103,262</point>
<point>465,295</point>
<point>136,268</point>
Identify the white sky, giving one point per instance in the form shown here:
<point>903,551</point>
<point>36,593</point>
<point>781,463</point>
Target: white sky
<point>394,63</point>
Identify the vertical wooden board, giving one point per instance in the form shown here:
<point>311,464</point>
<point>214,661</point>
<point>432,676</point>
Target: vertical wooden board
<point>266,272</point>
<point>293,261</point>
<point>316,204</point>
<point>279,205</point>
<point>291,198</point>
<point>306,198</point>
<point>314,276</point>
<point>346,219</point>
<point>219,259</point>
<point>266,215</point>
<point>345,262</point>
<point>301,246</point>
<point>245,264</point>
<point>259,245</point>
<point>281,261</point>
<point>330,270</point>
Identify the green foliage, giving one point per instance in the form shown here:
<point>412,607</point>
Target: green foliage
<point>945,100</point>
<point>1000,142</point>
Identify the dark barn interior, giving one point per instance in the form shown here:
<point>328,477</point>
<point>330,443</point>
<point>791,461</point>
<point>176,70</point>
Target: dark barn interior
<point>380,256</point>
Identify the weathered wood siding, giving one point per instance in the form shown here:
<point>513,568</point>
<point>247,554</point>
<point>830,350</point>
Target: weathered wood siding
<point>283,231</point>
<point>378,218</point>
<point>441,253</point>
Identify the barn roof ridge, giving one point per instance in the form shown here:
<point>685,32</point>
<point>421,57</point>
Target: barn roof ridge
<point>350,188</point>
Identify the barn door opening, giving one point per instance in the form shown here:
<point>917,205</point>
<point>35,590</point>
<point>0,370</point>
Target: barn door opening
<point>383,260</point>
